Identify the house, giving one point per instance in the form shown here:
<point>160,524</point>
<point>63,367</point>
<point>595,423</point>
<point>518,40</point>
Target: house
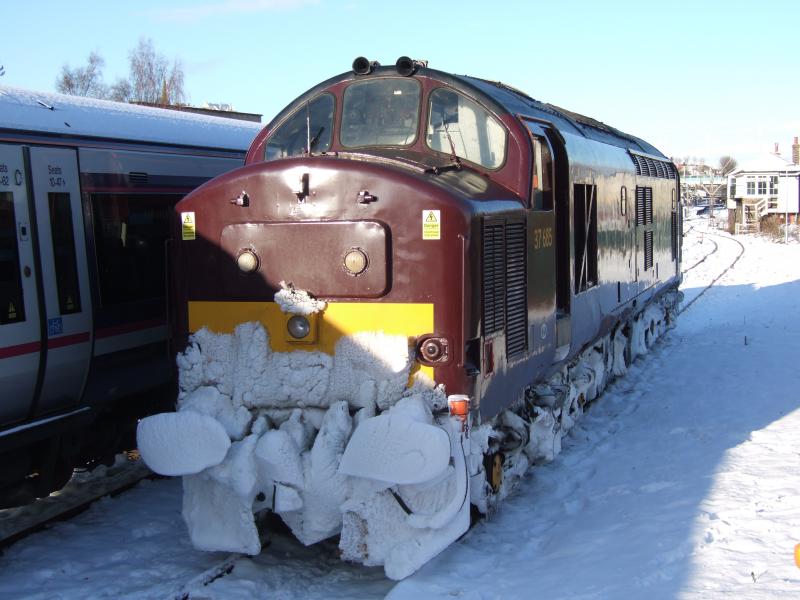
<point>766,186</point>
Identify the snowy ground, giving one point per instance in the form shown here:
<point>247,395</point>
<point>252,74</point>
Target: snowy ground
<point>682,481</point>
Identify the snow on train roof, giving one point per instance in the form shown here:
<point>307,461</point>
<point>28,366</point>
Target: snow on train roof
<point>47,112</point>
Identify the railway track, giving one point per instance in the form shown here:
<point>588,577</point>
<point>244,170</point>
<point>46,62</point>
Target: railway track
<point>722,273</point>
<point>703,259</point>
<point>83,490</point>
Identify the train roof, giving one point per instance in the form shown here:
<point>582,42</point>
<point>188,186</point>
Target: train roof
<point>502,98</point>
<point>25,111</point>
<point>518,102</point>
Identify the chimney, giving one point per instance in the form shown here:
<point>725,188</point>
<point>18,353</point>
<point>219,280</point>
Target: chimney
<point>796,152</point>
<point>776,149</point>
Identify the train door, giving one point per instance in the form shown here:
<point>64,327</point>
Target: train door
<point>543,296</point>
<point>65,280</point>
<point>20,327</point>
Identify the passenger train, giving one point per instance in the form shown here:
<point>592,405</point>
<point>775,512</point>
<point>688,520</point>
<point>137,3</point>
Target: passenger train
<point>500,257</point>
<point>86,190</point>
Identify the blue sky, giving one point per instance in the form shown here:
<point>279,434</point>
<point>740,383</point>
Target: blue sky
<point>701,78</point>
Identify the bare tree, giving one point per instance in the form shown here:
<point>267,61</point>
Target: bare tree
<point>121,91</point>
<point>727,164</point>
<point>83,81</point>
<point>152,78</point>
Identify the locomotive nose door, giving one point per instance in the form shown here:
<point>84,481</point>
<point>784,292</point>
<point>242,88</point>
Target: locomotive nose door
<point>65,280</point>
<point>19,307</point>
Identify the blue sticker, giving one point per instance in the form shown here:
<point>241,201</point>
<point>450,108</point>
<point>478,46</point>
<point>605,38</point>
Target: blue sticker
<point>55,327</point>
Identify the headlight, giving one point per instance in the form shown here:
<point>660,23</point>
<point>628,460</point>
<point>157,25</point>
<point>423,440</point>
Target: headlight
<point>247,261</point>
<point>298,327</point>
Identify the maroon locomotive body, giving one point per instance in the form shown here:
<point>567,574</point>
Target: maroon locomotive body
<point>523,252</point>
<point>539,241</point>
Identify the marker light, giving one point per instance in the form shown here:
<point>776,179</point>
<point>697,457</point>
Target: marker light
<point>459,408</point>
<point>355,261</point>
<point>247,261</point>
<point>298,327</point>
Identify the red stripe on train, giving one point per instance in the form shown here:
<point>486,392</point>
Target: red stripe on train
<point>128,328</point>
<point>78,338</point>
<point>20,349</point>
<point>67,340</point>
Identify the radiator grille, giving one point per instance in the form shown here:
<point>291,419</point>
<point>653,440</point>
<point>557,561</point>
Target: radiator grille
<point>494,277</point>
<point>516,290</point>
<point>505,292</point>
<point>648,250</point>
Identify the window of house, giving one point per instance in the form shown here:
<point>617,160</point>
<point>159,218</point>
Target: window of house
<point>773,185</point>
<point>751,187</point>
<point>458,125</point>
<point>762,187</point>
<point>310,126</point>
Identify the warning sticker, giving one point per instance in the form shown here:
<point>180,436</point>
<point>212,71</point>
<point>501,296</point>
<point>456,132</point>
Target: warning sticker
<point>188,229</point>
<point>431,225</point>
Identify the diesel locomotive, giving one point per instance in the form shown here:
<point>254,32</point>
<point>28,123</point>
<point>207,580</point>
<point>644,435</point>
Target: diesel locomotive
<point>404,298</point>
<point>86,191</point>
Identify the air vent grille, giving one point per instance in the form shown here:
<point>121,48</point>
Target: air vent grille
<point>648,250</point>
<point>650,167</point>
<point>516,290</point>
<point>494,277</point>
<point>137,177</point>
<point>674,235</point>
<point>644,205</point>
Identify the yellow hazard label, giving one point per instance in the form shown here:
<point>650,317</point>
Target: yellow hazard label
<point>70,304</point>
<point>431,225</point>
<point>12,311</point>
<point>188,228</point>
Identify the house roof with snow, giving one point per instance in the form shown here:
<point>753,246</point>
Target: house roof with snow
<point>768,163</point>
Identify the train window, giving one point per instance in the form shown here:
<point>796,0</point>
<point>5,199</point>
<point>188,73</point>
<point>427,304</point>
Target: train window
<point>542,192</point>
<point>380,112</point>
<point>69,296</point>
<point>310,125</point>
<point>457,124</point>
<point>585,228</point>
<point>12,309</point>
<point>623,201</point>
<point>129,232</point>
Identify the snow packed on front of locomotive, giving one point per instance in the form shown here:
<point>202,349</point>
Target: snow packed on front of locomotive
<point>324,300</point>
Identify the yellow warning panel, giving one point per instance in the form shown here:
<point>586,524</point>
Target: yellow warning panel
<point>188,227</point>
<point>431,225</point>
<point>337,320</point>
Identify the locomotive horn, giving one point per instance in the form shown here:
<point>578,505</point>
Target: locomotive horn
<point>363,66</point>
<point>406,66</point>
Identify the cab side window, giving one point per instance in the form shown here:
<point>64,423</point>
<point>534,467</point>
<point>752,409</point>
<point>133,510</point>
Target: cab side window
<point>542,186</point>
<point>460,126</point>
